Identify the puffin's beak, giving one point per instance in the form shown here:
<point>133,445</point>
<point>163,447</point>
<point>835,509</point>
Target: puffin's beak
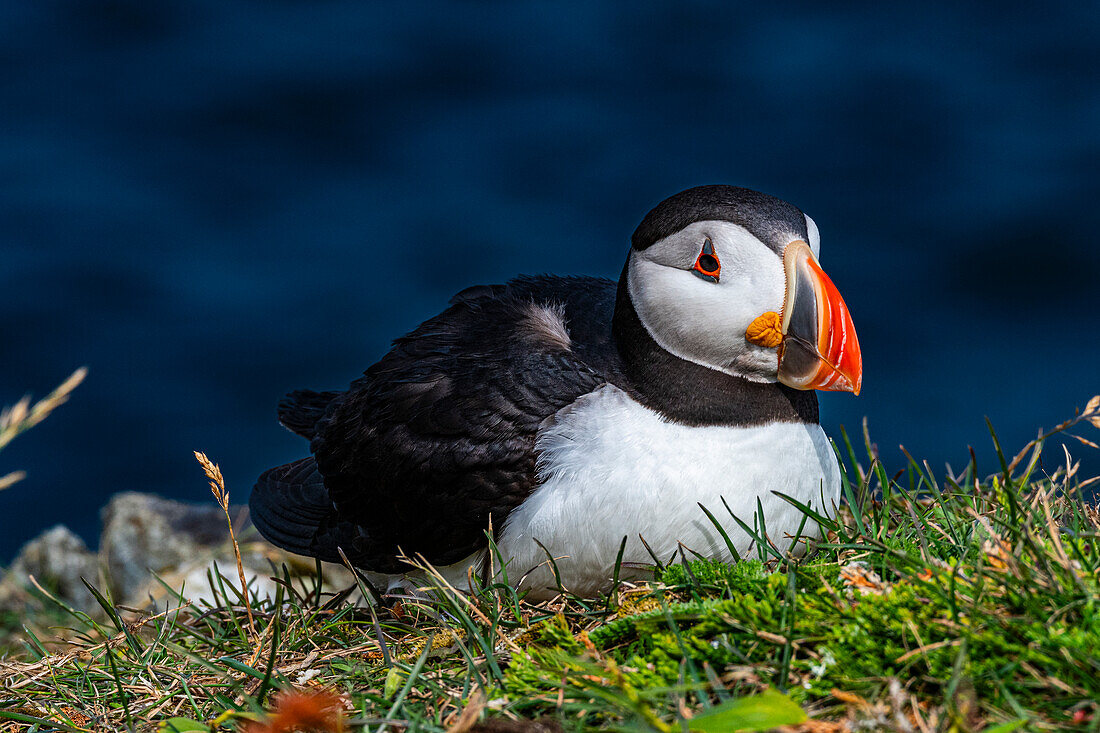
<point>819,349</point>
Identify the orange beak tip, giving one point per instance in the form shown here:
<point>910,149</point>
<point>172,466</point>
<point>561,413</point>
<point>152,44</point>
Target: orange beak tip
<point>824,351</point>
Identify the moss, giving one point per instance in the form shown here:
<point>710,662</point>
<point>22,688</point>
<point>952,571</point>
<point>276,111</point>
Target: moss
<point>554,633</point>
<point>738,577</point>
<point>908,630</point>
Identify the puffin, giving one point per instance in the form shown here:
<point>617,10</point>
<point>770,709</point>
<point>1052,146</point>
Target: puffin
<point>534,430</point>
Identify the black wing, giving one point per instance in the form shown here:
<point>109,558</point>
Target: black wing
<point>300,410</point>
<point>438,437</point>
<point>290,507</point>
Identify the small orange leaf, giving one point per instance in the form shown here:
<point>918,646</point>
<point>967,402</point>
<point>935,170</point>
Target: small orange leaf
<point>997,553</point>
<point>850,698</point>
<point>294,710</point>
<point>857,576</point>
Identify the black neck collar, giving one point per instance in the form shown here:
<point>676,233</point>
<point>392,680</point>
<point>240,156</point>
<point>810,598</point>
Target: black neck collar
<point>692,394</point>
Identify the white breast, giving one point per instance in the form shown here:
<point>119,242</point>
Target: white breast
<point>611,467</point>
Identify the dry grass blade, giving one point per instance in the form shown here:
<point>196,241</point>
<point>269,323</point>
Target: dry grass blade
<point>11,479</point>
<point>16,414</point>
<point>470,714</point>
<point>22,416</point>
<point>1092,411</point>
<point>221,495</point>
<point>1090,414</point>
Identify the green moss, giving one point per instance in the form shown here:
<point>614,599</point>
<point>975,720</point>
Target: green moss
<point>736,577</point>
<point>554,633</point>
<point>910,631</point>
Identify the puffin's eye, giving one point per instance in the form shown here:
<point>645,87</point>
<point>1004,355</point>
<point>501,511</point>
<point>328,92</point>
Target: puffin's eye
<point>707,265</point>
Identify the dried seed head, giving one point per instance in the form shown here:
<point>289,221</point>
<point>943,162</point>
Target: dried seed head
<point>217,482</point>
<point>1092,411</point>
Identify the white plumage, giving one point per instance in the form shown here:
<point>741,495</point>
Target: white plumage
<point>611,467</point>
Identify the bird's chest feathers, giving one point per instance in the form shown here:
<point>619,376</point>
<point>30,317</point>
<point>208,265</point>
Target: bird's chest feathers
<point>610,467</point>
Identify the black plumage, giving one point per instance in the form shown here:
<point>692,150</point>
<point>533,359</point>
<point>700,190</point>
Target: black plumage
<point>302,409</point>
<point>438,436</point>
<point>770,220</point>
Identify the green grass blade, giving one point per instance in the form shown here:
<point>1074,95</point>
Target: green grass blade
<point>722,531</point>
<point>770,709</point>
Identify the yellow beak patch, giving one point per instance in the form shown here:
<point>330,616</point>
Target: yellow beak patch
<point>765,330</point>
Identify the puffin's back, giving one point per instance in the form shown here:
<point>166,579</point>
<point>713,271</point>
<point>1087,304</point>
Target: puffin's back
<point>437,439</point>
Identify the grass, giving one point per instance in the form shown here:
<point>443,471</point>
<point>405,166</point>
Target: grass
<point>22,416</point>
<point>934,602</point>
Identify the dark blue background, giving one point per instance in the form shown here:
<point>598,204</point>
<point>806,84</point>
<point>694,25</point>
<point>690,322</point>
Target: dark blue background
<point>210,203</point>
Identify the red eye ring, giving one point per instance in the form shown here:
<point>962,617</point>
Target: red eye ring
<point>707,264</point>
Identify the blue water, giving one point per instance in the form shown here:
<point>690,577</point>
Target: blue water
<point>210,203</point>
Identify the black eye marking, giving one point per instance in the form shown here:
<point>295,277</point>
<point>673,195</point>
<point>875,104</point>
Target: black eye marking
<point>707,265</point>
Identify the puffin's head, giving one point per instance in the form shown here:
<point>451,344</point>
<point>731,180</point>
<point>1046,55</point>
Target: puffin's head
<point>728,278</point>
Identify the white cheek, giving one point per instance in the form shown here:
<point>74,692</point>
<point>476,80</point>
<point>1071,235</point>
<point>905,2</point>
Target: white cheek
<point>705,322</point>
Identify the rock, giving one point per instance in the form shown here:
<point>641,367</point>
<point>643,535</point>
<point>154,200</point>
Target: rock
<point>259,560</point>
<point>144,532</point>
<point>192,581</point>
<point>180,543</point>
<point>58,559</point>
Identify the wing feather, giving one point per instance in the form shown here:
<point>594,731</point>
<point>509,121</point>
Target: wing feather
<point>438,436</point>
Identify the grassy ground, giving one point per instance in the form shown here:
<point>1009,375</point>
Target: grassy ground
<point>933,603</point>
